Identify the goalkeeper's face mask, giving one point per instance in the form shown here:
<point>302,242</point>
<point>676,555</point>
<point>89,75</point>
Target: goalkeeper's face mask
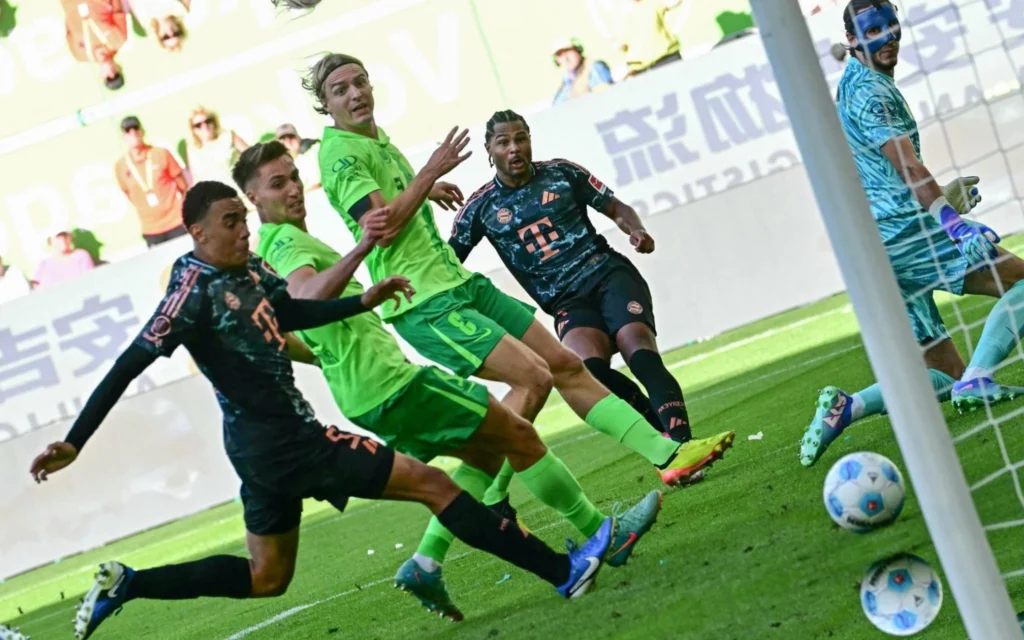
<point>875,27</point>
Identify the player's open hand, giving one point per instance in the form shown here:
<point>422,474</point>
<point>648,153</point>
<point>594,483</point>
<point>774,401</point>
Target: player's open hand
<point>963,194</point>
<point>449,154</point>
<point>447,196</point>
<point>389,288</point>
<point>57,456</point>
<point>642,241</point>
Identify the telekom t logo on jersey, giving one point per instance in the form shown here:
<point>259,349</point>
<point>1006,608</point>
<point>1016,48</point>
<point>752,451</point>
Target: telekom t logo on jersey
<point>264,319</point>
<point>540,239</point>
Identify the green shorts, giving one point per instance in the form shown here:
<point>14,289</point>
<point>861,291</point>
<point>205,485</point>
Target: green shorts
<point>460,327</point>
<point>434,414</point>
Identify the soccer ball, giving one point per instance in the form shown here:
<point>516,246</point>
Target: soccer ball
<point>901,595</point>
<point>863,491</point>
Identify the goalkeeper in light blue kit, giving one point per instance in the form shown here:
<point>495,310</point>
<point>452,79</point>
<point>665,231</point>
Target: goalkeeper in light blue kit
<point>929,245</point>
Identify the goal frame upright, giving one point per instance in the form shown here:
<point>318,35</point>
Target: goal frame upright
<point>921,431</point>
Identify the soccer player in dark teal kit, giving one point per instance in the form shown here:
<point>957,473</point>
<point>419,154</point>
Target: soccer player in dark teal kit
<point>535,215</point>
<point>231,312</point>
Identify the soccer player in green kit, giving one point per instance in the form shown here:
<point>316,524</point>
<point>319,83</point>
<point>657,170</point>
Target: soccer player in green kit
<point>378,389</point>
<point>460,319</point>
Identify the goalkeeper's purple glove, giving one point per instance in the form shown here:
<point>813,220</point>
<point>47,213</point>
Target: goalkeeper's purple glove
<point>971,239</point>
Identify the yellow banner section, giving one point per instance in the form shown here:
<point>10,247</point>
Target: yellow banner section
<point>434,64</point>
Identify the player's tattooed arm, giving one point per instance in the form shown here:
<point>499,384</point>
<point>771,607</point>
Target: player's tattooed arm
<point>58,455</point>
<point>628,220</point>
<point>306,284</point>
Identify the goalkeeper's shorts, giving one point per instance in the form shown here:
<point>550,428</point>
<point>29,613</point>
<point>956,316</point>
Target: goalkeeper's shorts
<point>924,263</point>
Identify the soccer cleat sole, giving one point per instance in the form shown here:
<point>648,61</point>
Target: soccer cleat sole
<point>85,608</point>
<point>451,616</point>
<point>969,404</point>
<point>688,475</point>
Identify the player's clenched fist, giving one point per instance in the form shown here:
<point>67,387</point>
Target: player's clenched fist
<point>57,456</point>
<point>388,289</point>
<point>642,241</point>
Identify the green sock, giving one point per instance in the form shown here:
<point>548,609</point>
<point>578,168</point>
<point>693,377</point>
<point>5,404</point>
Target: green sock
<point>554,485</point>
<point>436,539</point>
<point>499,488</point>
<point>616,418</point>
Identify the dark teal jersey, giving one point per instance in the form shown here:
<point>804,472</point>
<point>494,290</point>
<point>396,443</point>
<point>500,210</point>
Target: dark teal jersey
<point>226,320</point>
<point>541,230</point>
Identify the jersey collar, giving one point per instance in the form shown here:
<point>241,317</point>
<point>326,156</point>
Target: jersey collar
<point>502,185</point>
<point>382,137</point>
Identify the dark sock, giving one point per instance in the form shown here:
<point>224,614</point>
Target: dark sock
<point>623,387</point>
<point>216,576</point>
<point>666,395</point>
<point>479,527</point>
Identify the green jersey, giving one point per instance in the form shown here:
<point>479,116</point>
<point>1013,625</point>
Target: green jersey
<point>362,362</point>
<point>354,166</point>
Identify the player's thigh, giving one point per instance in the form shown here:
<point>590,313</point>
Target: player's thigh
<point>581,328</point>
<point>436,413</point>
<point>412,481</point>
<point>448,330</point>
<point>511,314</point>
<point>942,355</point>
<point>588,343</point>
<point>628,310</point>
<point>1008,271</point>
<point>515,364</point>
<point>559,359</point>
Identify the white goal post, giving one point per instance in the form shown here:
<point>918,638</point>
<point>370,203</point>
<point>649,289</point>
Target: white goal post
<point>921,432</point>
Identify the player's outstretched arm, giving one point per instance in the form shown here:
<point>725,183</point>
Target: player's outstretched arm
<point>448,155</point>
<point>628,220</point>
<point>296,315</point>
<point>305,283</point>
<point>126,368</point>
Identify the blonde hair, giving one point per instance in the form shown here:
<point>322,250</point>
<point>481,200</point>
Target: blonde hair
<point>201,110</point>
<point>154,26</point>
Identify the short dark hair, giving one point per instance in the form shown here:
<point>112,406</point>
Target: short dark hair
<point>115,81</point>
<point>503,117</point>
<point>856,6</point>
<point>199,198</point>
<point>130,122</point>
<point>253,158</point>
<point>317,76</point>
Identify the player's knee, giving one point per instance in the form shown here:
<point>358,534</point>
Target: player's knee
<point>271,579</point>
<point>438,490</point>
<point>565,366</point>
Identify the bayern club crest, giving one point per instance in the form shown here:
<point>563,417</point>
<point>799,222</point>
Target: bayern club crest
<point>504,216</point>
<point>635,308</point>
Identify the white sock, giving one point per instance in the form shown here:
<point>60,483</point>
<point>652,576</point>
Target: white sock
<point>427,564</point>
<point>856,407</point>
<point>973,373</point>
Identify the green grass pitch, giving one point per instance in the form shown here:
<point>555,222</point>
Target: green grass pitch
<point>750,553</point>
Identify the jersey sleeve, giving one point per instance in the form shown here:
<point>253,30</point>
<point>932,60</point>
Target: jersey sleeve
<point>289,252</point>
<point>467,232</point>
<point>346,176</point>
<point>177,317</point>
<point>880,117</point>
<point>275,286</point>
<point>585,186</point>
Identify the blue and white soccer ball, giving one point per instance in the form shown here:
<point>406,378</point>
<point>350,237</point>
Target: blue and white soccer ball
<point>901,595</point>
<point>864,491</point>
